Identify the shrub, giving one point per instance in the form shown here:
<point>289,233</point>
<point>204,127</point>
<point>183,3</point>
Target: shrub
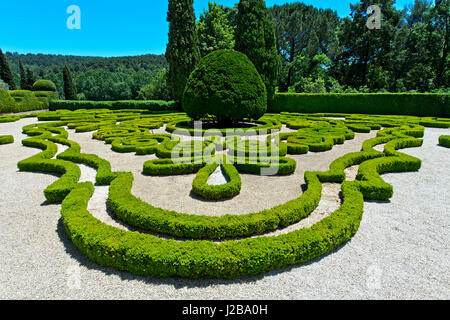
<point>421,104</point>
<point>201,187</point>
<point>444,141</point>
<point>44,85</point>
<point>225,84</point>
<point>6,139</point>
<point>7,103</point>
<point>147,105</point>
<point>3,85</point>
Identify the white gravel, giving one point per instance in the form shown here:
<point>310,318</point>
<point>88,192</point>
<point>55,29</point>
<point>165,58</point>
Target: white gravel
<point>218,177</point>
<point>400,252</point>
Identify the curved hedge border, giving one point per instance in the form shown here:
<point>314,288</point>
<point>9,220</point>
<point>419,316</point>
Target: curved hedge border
<point>144,254</point>
<point>183,125</point>
<point>6,140</point>
<point>444,141</point>
<point>201,187</point>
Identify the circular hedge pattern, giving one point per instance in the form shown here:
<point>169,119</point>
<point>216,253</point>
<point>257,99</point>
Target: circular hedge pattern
<point>226,85</point>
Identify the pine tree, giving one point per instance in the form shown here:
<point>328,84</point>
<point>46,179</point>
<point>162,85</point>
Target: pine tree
<point>5,72</point>
<point>182,50</point>
<point>69,88</point>
<point>255,37</point>
<point>31,79</point>
<point>23,77</point>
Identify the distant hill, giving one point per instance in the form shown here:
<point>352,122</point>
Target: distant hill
<point>97,78</point>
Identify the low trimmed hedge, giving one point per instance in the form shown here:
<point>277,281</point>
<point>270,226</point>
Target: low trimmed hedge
<point>146,105</point>
<point>144,254</point>
<point>444,141</point>
<point>23,100</point>
<point>6,140</point>
<point>147,255</point>
<point>416,104</point>
<point>201,187</point>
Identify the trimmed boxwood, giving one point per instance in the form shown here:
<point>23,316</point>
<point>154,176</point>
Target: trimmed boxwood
<point>415,104</point>
<point>444,141</point>
<point>44,85</point>
<point>228,190</point>
<point>149,106</point>
<point>6,140</point>
<point>225,84</point>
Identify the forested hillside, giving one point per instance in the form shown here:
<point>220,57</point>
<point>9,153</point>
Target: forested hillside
<point>95,78</point>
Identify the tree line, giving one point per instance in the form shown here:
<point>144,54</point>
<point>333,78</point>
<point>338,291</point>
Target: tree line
<point>295,47</point>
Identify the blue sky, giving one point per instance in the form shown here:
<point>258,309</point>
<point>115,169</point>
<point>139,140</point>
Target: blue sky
<point>108,28</point>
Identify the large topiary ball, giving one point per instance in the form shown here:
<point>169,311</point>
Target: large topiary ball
<point>225,84</point>
<point>44,85</point>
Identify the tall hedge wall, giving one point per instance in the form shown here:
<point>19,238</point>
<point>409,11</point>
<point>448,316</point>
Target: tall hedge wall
<point>415,104</point>
<point>114,105</point>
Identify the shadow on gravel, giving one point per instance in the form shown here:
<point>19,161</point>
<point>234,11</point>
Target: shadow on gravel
<point>177,283</point>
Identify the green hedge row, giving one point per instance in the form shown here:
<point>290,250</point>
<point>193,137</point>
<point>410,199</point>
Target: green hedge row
<point>6,140</point>
<point>420,104</point>
<point>444,141</point>
<point>21,101</point>
<point>144,254</point>
<point>186,126</point>
<point>201,187</point>
<point>147,255</point>
<point>147,105</point>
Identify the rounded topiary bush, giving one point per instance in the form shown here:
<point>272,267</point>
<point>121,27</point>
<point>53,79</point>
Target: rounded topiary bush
<point>226,85</point>
<point>44,85</point>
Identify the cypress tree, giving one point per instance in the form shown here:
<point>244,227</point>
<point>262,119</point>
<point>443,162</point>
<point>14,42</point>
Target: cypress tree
<point>69,88</point>
<point>255,37</point>
<point>182,50</point>
<point>5,72</point>
<point>23,77</point>
<point>31,79</point>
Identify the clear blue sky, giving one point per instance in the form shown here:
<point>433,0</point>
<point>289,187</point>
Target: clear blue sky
<point>108,28</point>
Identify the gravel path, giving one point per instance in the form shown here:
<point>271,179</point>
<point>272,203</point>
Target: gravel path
<point>400,252</point>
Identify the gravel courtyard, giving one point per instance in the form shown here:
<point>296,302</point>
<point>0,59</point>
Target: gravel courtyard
<point>401,250</point>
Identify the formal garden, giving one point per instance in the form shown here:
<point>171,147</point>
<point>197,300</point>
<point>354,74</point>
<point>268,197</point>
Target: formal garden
<point>231,179</point>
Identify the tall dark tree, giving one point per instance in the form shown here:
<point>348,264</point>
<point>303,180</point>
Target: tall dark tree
<point>441,19</point>
<point>182,50</point>
<point>255,37</point>
<point>31,78</point>
<point>23,77</point>
<point>69,88</point>
<point>5,72</point>
<point>302,30</point>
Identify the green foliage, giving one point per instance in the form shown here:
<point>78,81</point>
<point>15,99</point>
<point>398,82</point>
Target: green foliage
<point>255,37</point>
<point>444,141</point>
<point>6,102</point>
<point>436,105</point>
<point>69,88</point>
<point>147,105</point>
<point>5,72</point>
<point>23,78</point>
<point>158,89</point>
<point>232,188</point>
<point>303,32</point>
<point>44,85</point>
<point>226,85</point>
<point>214,29</point>
<point>182,50</point>
<point>6,140</point>
<point>3,85</point>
